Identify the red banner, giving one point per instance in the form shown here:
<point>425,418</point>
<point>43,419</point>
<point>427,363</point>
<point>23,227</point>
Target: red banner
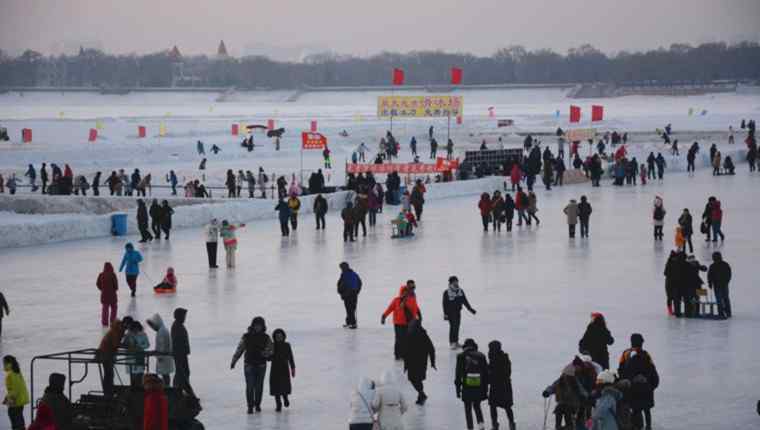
<point>398,77</point>
<point>459,119</point>
<point>575,114</point>
<point>141,131</point>
<point>456,76</point>
<point>26,135</point>
<point>313,140</point>
<point>235,129</point>
<point>93,135</point>
<point>597,113</point>
<point>440,166</point>
<point>270,124</point>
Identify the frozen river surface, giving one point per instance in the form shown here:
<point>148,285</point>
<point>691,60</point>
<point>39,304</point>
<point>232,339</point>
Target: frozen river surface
<point>534,290</point>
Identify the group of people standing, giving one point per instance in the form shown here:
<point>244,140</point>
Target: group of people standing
<point>160,220</point>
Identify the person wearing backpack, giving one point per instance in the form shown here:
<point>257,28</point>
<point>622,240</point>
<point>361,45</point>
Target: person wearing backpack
<point>637,366</point>
<point>295,205</point>
<point>471,381</point>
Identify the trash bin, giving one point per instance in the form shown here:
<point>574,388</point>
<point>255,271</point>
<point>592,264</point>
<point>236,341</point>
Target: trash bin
<point>119,224</point>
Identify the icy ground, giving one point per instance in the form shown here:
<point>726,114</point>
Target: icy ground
<point>534,290</point>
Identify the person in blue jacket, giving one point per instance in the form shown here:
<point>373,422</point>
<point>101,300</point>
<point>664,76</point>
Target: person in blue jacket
<point>284,214</point>
<point>349,286</point>
<point>130,265</point>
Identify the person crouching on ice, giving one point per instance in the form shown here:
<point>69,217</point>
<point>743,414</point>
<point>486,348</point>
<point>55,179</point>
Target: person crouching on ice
<point>169,283</point>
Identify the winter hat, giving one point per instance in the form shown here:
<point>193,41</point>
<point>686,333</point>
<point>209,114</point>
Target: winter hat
<point>180,314</point>
<point>57,381</point>
<point>129,246</point>
<point>470,344</point>
<point>279,331</point>
<point>494,346</point>
<point>637,340</point>
<point>595,315</point>
<point>259,321</point>
<point>606,377</point>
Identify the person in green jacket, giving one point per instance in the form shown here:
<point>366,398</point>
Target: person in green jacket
<point>16,396</point>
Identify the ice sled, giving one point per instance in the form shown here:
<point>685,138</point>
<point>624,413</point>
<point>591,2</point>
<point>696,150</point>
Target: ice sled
<point>165,290</point>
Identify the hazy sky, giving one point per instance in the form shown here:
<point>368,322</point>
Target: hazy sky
<point>365,26</point>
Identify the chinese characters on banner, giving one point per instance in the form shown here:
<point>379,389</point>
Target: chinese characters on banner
<point>313,140</point>
<point>441,165</point>
<point>580,134</point>
<point>419,106</point>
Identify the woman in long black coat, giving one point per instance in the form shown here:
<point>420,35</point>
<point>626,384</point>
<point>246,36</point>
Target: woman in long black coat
<point>500,384</point>
<point>166,218</point>
<point>283,367</point>
<point>418,349</point>
<point>595,341</point>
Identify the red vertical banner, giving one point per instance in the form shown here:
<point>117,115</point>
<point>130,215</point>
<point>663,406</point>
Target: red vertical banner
<point>141,132</point>
<point>575,114</point>
<point>270,124</point>
<point>398,77</point>
<point>26,135</point>
<point>93,135</point>
<point>597,113</point>
<point>456,76</point>
<point>235,129</point>
<point>459,119</point>
<point>313,127</point>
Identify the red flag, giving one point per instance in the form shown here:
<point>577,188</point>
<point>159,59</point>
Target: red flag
<point>141,131</point>
<point>235,129</point>
<point>575,114</point>
<point>456,76</point>
<point>26,135</point>
<point>93,135</point>
<point>313,140</point>
<point>313,127</point>
<point>398,77</point>
<point>459,120</point>
<point>597,113</point>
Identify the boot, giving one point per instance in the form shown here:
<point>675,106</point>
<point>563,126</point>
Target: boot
<point>512,425</point>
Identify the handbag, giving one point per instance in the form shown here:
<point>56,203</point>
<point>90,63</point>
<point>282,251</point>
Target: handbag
<point>703,228</point>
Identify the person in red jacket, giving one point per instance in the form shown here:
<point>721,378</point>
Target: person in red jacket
<point>485,207</point>
<point>515,175</point>
<point>44,419</point>
<point>155,404</point>
<point>404,309</point>
<point>716,219</point>
<point>108,284</point>
<point>521,204</point>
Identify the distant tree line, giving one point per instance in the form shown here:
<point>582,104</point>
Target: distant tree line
<point>678,64</point>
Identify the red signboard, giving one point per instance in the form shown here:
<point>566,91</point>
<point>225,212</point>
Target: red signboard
<point>441,165</point>
<point>141,131</point>
<point>597,113</point>
<point>26,135</point>
<point>235,129</point>
<point>575,114</point>
<point>313,140</point>
<point>270,124</point>
<point>456,76</point>
<point>398,77</point>
<point>93,135</point>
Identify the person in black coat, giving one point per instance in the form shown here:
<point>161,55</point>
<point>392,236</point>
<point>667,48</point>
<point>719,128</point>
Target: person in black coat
<point>142,221</point>
<point>471,381</point>
<point>584,214</point>
<point>637,366</point>
<point>180,351</point>
<point>283,368</point>
<point>155,219</point>
<point>500,384</point>
<point>673,282</point>
<point>595,341</point>
<point>453,300</point>
<point>687,228</point>
<point>96,184</point>
<point>258,349</point>
<point>691,283</point>
<point>718,278</point>
<point>4,311</point>
<point>320,209</point>
<point>417,350</point>
<point>166,218</point>
<point>509,211</point>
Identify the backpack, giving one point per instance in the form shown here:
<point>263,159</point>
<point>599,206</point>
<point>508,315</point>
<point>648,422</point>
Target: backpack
<point>472,370</point>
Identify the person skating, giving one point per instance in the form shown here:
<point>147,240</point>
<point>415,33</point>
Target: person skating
<point>418,349</point>
<point>433,148</point>
<point>361,207</point>
<point>584,214</point>
<point>283,214</point>
<point>180,352</point>
<point>389,403</point>
<point>230,242</point>
<point>362,414</point>
<point>347,215</point>
<point>349,287</point>
<point>509,211</point>
<point>294,204</point>
<point>605,416</point>
<point>56,402</point>
<point>44,178</point>
<point>521,204</point>
<point>686,222</point>
<point>283,368</point>
<point>706,226</point>
<point>130,265</point>
<point>326,156</point>
<point>4,311</point>
<point>471,381</point>
<point>572,212</point>
<point>256,348</point>
<point>404,309</point>
<point>718,278</point>
<point>533,208</point>
<point>16,394</point>
<point>485,207</point>
<point>320,209</point>
<point>155,218</point>
<point>498,206</point>
<point>716,220</point>
<point>166,218</point>
<point>108,284</point>
<point>570,396</point>
<point>637,366</point>
<point>658,217</point>
<point>499,384</point>
<point>212,242</point>
<point>453,301</point>
<point>596,339</point>
<point>155,404</point>
<point>142,221</point>
<point>417,199</point>
<point>661,165</point>
<point>673,282</point>
<point>163,346</point>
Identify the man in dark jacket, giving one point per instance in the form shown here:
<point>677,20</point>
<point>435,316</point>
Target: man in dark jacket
<point>347,214</point>
<point>258,348</point>
<point>584,213</point>
<point>142,221</point>
<point>349,287</point>
<point>500,384</point>
<point>155,219</point>
<point>320,209</point>
<point>718,278</point>
<point>180,351</point>
<point>4,311</point>
<point>57,401</point>
<point>417,350</point>
<point>44,178</point>
<point>686,222</point>
<point>636,366</point>
<point>453,301</point>
<point>471,381</point>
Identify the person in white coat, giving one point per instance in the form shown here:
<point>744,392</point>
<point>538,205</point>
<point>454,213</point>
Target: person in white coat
<point>389,403</point>
<point>163,343</point>
<point>212,242</point>
<point>362,414</point>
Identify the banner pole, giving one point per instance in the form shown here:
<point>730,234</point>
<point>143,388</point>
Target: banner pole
<point>448,129</point>
<point>301,172</point>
